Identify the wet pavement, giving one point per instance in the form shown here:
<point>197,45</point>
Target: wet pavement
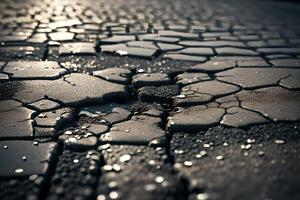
<point>196,100</point>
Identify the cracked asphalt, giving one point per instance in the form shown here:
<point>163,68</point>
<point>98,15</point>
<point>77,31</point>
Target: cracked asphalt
<point>160,99</point>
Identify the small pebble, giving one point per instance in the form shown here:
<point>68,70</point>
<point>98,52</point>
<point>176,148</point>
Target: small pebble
<point>279,141</point>
<point>125,158</point>
<point>188,163</point>
<point>19,170</point>
<point>159,179</point>
<point>220,158</point>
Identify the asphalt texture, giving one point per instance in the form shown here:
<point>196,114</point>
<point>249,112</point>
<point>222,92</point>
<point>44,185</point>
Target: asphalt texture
<point>138,99</point>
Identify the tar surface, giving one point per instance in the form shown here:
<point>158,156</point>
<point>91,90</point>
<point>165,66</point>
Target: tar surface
<point>149,100</point>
